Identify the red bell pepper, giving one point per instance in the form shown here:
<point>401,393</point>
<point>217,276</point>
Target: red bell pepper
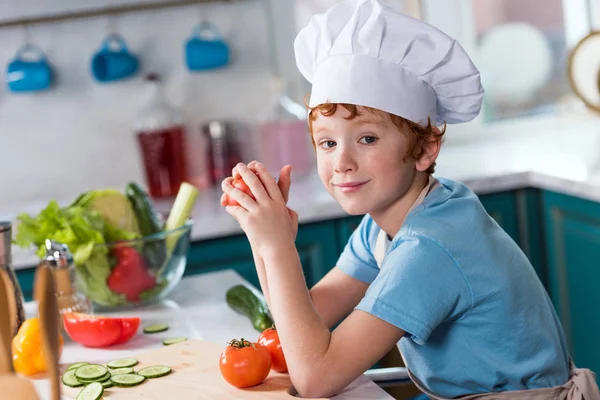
<point>130,275</point>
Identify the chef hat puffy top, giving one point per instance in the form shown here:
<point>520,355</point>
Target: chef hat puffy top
<point>364,53</point>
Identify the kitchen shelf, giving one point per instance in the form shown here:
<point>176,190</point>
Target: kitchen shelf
<point>103,11</point>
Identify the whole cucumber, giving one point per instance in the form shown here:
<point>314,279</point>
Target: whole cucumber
<point>251,303</point>
<point>154,251</point>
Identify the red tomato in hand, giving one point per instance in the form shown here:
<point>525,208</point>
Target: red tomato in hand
<point>92,331</point>
<point>244,364</point>
<point>270,339</point>
<point>241,185</point>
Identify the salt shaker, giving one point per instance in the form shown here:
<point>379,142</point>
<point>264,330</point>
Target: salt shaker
<point>60,260</point>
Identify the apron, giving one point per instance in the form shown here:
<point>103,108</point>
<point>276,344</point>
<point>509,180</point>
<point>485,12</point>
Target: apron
<point>581,385</point>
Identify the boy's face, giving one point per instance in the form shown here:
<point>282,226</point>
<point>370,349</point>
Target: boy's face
<point>360,161</point>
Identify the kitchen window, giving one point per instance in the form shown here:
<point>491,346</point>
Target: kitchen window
<point>521,48</point>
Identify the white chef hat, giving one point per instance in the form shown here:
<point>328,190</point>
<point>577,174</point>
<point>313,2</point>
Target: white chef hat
<point>364,53</point>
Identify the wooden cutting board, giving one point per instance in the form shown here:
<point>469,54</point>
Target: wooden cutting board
<point>196,375</point>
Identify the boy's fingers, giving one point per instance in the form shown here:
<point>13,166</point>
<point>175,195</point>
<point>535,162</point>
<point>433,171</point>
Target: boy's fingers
<point>285,181</point>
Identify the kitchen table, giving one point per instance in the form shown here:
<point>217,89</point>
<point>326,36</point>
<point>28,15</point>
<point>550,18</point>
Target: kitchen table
<point>196,309</point>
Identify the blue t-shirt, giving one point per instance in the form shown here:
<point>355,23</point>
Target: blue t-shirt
<point>476,315</point>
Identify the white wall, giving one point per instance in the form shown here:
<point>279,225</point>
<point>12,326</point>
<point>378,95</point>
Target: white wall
<point>78,136</point>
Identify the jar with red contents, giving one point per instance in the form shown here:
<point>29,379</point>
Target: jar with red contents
<point>160,134</point>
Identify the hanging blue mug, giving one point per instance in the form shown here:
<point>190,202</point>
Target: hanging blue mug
<point>206,49</point>
<point>113,61</point>
<point>29,71</point>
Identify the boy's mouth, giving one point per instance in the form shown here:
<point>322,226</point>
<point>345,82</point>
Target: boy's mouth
<point>350,186</point>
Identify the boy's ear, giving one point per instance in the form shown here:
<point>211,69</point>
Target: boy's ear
<point>431,149</point>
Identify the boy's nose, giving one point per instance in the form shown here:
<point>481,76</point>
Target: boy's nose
<point>344,162</point>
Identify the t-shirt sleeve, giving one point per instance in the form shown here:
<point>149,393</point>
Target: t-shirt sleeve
<point>419,287</point>
<point>357,259</point>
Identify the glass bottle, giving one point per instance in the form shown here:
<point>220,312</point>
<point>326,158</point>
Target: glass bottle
<point>160,135</point>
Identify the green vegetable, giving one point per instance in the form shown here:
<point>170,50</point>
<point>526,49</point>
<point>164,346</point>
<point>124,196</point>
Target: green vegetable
<point>91,372</point>
<point>154,372</point>
<point>121,371</point>
<point>122,363</point>
<point>127,380</point>
<point>107,384</point>
<point>251,303</point>
<point>76,365</point>
<point>168,342</point>
<point>69,379</point>
<point>116,211</point>
<point>84,231</point>
<point>156,328</point>
<point>93,391</point>
<point>154,251</point>
<point>181,211</point>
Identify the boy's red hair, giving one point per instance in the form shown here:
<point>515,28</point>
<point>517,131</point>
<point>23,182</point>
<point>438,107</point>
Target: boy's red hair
<point>417,135</point>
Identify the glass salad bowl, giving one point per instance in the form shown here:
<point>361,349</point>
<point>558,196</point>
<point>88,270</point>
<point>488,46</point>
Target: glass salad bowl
<point>134,272</point>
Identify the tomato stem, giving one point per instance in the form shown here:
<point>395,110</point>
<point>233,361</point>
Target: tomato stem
<point>238,344</point>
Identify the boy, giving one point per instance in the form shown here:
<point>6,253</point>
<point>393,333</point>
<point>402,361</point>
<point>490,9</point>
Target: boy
<point>427,269</point>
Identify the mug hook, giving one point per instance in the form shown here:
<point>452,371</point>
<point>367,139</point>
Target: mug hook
<point>26,34</point>
<point>110,25</point>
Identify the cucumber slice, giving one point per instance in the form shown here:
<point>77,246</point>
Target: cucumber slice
<point>107,384</point>
<point>90,372</point>
<point>155,371</point>
<point>171,341</point>
<point>156,328</point>
<point>69,379</point>
<point>93,391</point>
<point>121,371</point>
<point>122,363</point>
<point>127,380</point>
<point>103,378</point>
<point>76,365</point>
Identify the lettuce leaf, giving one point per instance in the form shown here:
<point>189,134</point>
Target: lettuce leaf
<point>82,230</point>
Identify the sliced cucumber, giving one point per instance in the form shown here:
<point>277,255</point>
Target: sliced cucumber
<point>171,341</point>
<point>76,365</point>
<point>93,391</point>
<point>103,378</point>
<point>122,363</point>
<point>90,372</point>
<point>155,371</point>
<point>69,379</point>
<point>156,328</point>
<point>107,384</point>
<point>121,371</point>
<point>127,380</point>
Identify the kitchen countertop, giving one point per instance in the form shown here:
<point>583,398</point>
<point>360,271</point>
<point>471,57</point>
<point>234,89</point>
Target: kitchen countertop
<point>560,154</point>
<point>197,310</point>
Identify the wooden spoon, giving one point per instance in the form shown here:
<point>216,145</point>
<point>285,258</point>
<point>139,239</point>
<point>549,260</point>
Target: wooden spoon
<point>45,294</point>
<point>13,386</point>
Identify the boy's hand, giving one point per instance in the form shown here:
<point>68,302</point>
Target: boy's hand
<point>284,183</point>
<point>263,216</point>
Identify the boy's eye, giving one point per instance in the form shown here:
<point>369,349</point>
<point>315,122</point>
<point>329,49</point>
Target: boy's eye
<point>368,139</point>
<point>327,144</point>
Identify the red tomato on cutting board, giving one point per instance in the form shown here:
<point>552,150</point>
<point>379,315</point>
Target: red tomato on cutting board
<point>245,364</point>
<point>270,339</point>
<point>98,331</point>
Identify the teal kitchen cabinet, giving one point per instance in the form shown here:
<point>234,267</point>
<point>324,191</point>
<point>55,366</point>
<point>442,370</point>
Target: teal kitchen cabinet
<point>316,243</point>
<point>503,208</point>
<point>573,254</point>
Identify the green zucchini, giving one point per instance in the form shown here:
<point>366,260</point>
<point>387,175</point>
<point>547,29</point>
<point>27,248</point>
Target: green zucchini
<point>154,251</point>
<point>251,303</point>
